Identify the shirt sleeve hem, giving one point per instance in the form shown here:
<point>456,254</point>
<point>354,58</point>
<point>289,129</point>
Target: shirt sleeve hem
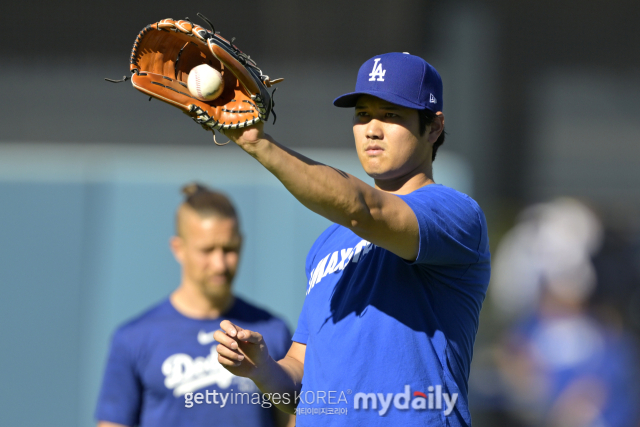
<point>422,234</point>
<point>301,338</point>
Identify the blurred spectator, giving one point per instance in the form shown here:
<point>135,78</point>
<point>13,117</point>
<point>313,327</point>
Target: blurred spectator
<point>617,264</point>
<point>548,252</point>
<point>559,364</point>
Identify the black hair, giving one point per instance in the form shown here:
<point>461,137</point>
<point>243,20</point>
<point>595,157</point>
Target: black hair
<point>426,117</point>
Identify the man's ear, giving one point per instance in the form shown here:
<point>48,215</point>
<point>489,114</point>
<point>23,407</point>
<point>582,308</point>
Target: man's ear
<point>176,243</point>
<point>437,127</point>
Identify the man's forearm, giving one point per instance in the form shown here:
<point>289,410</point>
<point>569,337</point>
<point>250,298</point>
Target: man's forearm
<point>282,380</point>
<point>374,214</point>
<point>336,195</point>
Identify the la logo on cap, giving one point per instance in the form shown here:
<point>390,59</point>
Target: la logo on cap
<point>377,71</point>
<point>411,82</point>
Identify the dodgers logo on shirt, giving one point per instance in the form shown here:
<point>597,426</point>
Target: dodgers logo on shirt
<point>205,338</point>
<point>185,374</point>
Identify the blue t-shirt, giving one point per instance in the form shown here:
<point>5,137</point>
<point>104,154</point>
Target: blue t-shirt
<point>392,339</point>
<point>159,362</point>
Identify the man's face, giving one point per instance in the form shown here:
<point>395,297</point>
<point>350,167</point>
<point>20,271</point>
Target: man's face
<point>209,252</point>
<point>388,140</point>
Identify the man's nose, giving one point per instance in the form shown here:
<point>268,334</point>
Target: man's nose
<point>374,129</point>
<point>217,260</point>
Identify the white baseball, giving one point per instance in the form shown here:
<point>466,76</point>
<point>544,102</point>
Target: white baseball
<point>205,82</point>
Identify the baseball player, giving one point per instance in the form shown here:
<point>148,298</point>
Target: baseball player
<point>162,368</point>
<point>395,285</point>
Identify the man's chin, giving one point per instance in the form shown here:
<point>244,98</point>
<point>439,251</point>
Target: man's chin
<point>216,290</point>
<point>374,171</point>
<point>219,295</point>
<point>381,174</point>
<point>218,287</point>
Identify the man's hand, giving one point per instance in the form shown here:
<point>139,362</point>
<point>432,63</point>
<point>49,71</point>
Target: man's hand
<point>244,353</point>
<point>241,352</point>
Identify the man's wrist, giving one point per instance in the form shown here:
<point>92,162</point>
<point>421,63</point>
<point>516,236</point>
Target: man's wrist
<point>256,147</point>
<point>263,373</point>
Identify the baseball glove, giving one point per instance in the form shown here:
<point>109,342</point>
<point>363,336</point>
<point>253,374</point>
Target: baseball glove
<point>165,52</point>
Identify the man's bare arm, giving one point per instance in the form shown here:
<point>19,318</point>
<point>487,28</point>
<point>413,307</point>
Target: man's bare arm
<point>379,217</point>
<point>283,419</point>
<point>283,377</point>
<point>109,424</point>
<point>244,353</point>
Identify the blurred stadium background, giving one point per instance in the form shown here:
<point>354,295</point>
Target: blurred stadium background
<point>542,102</point>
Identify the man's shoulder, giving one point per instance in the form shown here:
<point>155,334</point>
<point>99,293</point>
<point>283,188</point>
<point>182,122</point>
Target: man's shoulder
<point>142,322</point>
<point>442,192</point>
<point>436,196</point>
<point>453,228</point>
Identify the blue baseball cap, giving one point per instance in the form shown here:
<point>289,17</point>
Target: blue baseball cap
<point>398,78</point>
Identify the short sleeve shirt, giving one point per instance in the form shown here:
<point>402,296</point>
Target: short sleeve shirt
<point>160,362</point>
<point>382,332</point>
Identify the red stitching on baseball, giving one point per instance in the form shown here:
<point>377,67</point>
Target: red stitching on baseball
<point>198,84</point>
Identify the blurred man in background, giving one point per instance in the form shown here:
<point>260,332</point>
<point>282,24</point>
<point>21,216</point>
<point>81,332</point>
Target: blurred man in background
<point>560,364</point>
<point>161,361</point>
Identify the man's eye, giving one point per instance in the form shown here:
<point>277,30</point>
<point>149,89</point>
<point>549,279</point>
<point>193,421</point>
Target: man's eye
<point>392,115</point>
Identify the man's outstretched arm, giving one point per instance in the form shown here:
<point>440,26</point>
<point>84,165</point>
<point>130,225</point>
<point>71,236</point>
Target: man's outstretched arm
<point>244,353</point>
<point>379,217</point>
